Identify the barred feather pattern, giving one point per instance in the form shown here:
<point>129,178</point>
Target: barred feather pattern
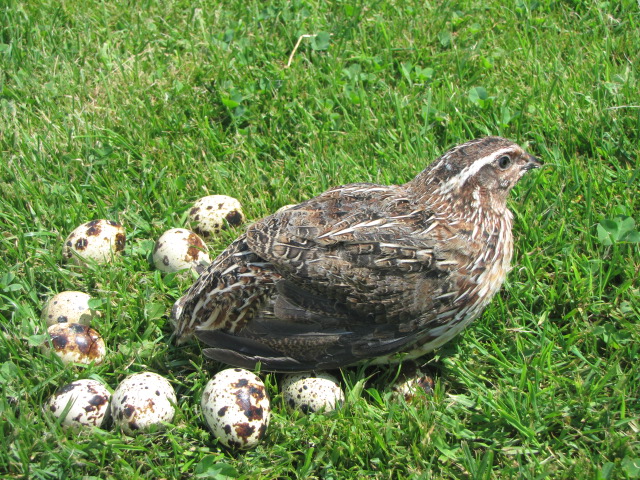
<point>233,288</point>
<point>363,272</point>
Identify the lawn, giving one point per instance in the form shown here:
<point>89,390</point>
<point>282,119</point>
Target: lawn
<point>131,111</point>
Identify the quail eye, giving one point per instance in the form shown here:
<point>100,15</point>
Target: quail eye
<point>504,162</point>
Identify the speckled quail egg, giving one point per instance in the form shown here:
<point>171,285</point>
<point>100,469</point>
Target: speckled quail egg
<point>178,249</point>
<point>89,401</point>
<point>76,343</point>
<point>236,407</point>
<point>70,306</point>
<point>312,392</point>
<point>98,240</point>
<point>413,385</point>
<point>285,207</point>
<point>143,402</point>
<point>213,213</point>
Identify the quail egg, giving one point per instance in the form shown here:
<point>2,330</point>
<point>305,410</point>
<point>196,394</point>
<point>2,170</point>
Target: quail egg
<point>178,249</point>
<point>312,392</point>
<point>410,386</point>
<point>236,407</point>
<point>89,404</point>
<point>285,207</point>
<point>143,402</point>
<point>76,343</point>
<point>98,240</point>
<point>212,213</point>
<point>70,306</point>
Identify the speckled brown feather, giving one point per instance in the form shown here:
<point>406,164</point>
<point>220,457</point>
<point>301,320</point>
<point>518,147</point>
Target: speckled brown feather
<point>363,271</point>
<point>232,289</point>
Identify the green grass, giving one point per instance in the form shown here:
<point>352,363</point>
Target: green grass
<point>132,110</point>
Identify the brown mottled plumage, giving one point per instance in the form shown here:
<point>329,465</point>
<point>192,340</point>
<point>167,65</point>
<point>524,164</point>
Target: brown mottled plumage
<point>363,271</point>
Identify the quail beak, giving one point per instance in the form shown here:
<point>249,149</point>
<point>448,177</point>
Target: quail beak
<point>532,162</point>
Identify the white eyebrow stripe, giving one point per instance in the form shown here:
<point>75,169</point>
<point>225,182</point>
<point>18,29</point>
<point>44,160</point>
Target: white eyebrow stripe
<point>472,169</point>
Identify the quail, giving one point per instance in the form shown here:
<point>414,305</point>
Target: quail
<point>363,272</point>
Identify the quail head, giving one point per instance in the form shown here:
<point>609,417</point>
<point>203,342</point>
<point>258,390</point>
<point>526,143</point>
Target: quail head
<point>363,272</point>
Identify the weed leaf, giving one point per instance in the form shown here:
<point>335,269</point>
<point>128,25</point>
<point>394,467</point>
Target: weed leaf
<point>321,41</point>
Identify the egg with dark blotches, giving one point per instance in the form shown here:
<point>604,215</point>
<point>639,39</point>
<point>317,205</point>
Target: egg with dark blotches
<point>143,402</point>
<point>76,343</point>
<point>236,407</point>
<point>69,307</point>
<point>312,392</point>
<point>414,385</point>
<point>178,249</point>
<point>99,240</point>
<point>83,403</point>
<point>213,213</point>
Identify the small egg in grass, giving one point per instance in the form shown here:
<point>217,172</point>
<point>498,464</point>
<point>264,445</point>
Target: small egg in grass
<point>413,385</point>
<point>178,249</point>
<point>312,392</point>
<point>236,407</point>
<point>76,343</point>
<point>213,213</point>
<point>143,402</point>
<point>98,240</point>
<point>84,403</point>
<point>285,207</point>
<point>69,306</point>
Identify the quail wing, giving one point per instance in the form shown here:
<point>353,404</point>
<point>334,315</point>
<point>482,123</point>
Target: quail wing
<point>363,275</point>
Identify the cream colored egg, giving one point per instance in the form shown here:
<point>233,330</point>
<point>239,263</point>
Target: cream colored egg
<point>143,402</point>
<point>76,343</point>
<point>178,249</point>
<point>285,207</point>
<point>211,214</point>
<point>236,407</point>
<point>411,386</point>
<point>69,306</point>
<point>98,240</point>
<point>87,401</point>
<point>311,392</point>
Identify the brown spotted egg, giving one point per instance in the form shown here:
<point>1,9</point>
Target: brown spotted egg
<point>143,402</point>
<point>70,306</point>
<point>413,385</point>
<point>76,343</point>
<point>98,240</point>
<point>178,249</point>
<point>236,407</point>
<point>87,401</point>
<point>312,392</point>
<point>213,213</point>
